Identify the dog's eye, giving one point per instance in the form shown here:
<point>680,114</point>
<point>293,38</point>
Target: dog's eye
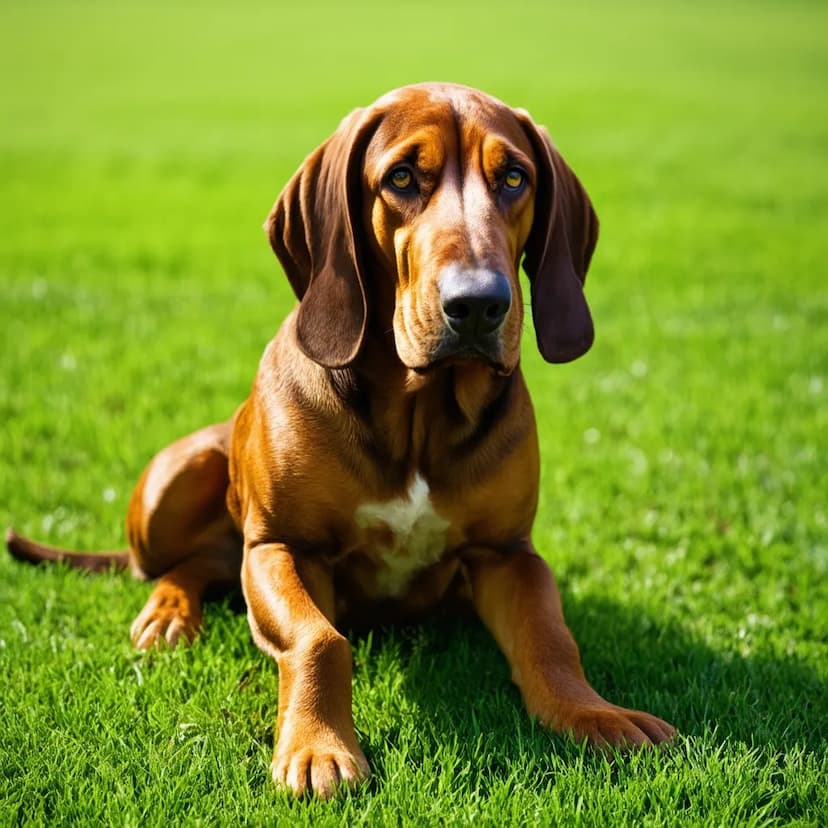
<point>401,179</point>
<point>514,179</point>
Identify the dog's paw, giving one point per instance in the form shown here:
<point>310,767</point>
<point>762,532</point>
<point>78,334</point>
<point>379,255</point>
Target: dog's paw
<point>169,617</point>
<point>608,727</point>
<point>320,767</point>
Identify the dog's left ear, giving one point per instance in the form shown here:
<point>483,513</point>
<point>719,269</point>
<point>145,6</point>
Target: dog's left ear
<point>312,229</point>
<point>563,235</point>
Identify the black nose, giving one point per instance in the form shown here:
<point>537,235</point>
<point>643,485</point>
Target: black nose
<point>475,302</point>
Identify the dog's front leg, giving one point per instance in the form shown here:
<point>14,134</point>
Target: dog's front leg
<point>290,608</point>
<point>517,598</point>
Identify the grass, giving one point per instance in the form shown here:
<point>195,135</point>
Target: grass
<point>683,505</point>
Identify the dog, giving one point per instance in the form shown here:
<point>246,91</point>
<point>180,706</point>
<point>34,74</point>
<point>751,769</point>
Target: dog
<point>386,460</point>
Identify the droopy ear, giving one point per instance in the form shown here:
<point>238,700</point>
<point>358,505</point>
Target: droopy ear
<point>312,229</point>
<point>563,236</point>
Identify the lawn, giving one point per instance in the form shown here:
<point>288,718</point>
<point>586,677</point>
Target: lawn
<point>683,503</point>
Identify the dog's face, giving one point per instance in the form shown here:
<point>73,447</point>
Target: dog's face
<point>448,195</point>
<point>414,217</point>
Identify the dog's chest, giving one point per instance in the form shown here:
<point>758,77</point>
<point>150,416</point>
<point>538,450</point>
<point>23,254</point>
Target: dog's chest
<point>404,535</point>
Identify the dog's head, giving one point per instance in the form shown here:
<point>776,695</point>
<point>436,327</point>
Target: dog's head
<point>414,217</point>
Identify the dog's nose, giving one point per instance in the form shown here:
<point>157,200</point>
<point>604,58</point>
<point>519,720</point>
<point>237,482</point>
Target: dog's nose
<point>475,302</point>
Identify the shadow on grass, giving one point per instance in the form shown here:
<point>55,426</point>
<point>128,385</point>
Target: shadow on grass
<point>456,679</point>
<point>442,688</point>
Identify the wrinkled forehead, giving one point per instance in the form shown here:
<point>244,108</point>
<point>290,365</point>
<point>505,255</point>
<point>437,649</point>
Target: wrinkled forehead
<point>430,122</point>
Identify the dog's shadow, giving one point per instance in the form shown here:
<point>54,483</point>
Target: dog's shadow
<point>455,685</point>
<point>443,683</point>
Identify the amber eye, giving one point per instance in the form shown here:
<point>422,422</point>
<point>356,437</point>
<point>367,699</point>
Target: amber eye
<point>514,179</point>
<point>401,179</point>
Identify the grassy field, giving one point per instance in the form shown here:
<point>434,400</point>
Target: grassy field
<point>683,505</point>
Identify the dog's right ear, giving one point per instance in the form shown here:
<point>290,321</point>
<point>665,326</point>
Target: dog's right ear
<point>312,229</point>
<point>558,252</point>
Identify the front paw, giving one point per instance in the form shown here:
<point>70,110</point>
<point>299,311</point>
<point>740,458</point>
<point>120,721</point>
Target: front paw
<point>321,765</point>
<point>607,726</point>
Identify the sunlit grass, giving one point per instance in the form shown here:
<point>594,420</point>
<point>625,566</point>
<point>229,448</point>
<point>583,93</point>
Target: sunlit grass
<point>684,459</point>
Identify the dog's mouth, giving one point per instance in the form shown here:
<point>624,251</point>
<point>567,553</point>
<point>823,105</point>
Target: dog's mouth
<point>487,351</point>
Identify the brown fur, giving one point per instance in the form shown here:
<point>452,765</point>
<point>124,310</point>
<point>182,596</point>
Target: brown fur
<point>364,403</point>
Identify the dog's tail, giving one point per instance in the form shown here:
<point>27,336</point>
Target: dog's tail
<point>32,552</point>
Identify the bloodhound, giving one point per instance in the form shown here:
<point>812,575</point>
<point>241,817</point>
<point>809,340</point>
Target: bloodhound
<point>386,459</point>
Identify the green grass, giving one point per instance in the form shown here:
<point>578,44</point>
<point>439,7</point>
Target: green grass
<point>683,505</point>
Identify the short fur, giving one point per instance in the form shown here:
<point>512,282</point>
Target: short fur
<point>382,462</point>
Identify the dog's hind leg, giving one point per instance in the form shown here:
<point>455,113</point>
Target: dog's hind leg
<point>173,610</point>
<point>181,533</point>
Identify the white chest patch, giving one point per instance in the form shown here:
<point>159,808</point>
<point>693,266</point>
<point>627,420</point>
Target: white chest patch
<point>416,535</point>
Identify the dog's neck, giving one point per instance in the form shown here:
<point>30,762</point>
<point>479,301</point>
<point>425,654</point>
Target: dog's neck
<point>414,420</point>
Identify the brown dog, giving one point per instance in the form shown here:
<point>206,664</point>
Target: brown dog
<point>387,458</point>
